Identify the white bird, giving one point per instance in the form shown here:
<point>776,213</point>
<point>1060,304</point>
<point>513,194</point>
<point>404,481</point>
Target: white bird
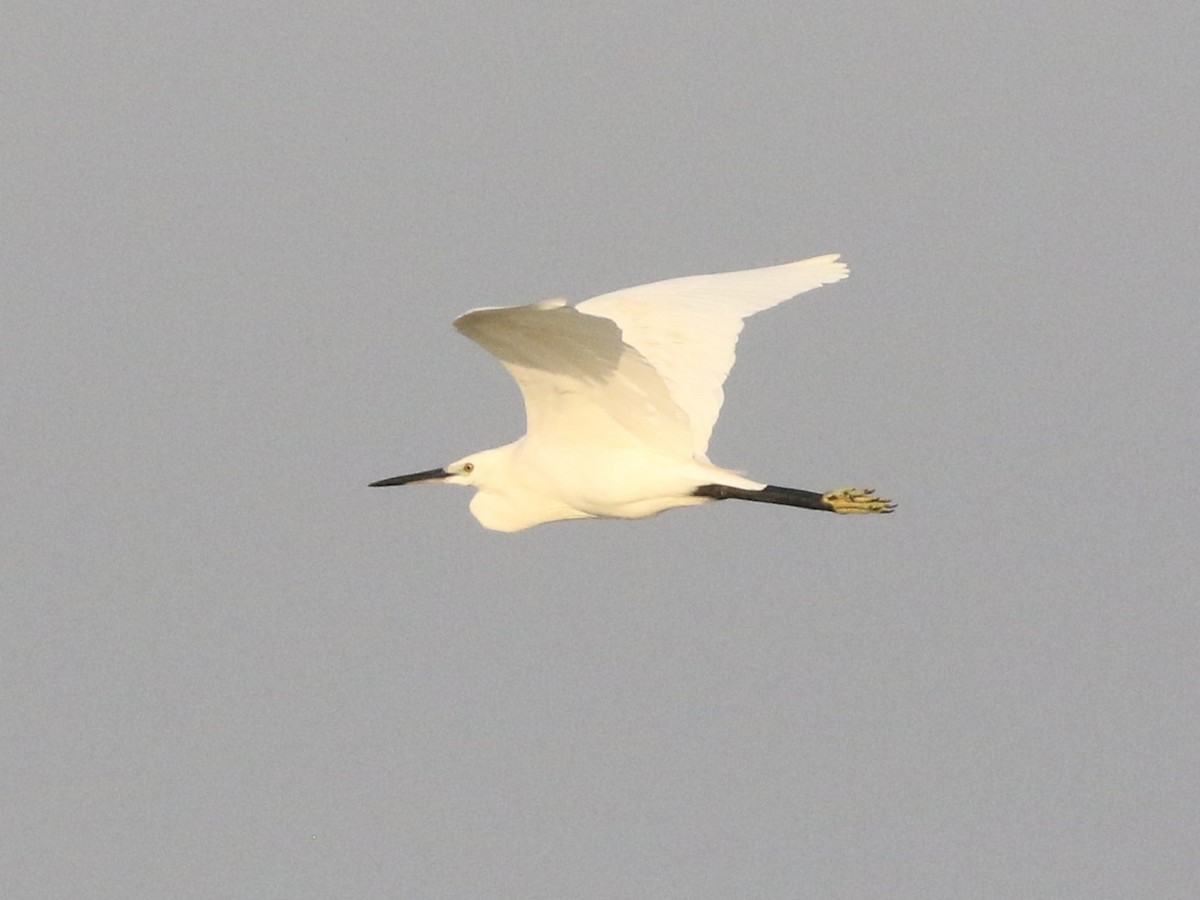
<point>621,395</point>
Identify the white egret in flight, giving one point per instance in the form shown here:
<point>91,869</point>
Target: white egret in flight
<point>621,395</point>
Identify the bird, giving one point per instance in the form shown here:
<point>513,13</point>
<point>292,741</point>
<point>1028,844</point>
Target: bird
<point>621,395</point>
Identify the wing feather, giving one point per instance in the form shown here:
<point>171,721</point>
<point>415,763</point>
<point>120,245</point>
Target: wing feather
<point>687,328</point>
<point>579,380</point>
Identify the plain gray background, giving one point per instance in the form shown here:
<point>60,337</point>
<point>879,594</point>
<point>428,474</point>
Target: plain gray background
<point>234,236</point>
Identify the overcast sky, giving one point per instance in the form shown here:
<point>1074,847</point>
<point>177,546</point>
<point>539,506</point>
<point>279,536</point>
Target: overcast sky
<point>233,238</point>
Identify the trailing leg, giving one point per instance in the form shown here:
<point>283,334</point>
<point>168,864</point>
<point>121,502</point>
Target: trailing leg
<point>845,500</point>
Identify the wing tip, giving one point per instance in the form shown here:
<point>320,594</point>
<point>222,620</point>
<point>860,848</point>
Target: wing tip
<point>828,268</point>
<point>473,315</point>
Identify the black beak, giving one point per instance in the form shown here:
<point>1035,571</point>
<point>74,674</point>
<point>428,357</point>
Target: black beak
<point>430,475</point>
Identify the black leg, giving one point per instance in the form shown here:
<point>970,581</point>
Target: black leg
<point>846,500</point>
<point>770,494</point>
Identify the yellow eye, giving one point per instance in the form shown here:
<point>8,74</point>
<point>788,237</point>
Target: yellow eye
<point>468,468</point>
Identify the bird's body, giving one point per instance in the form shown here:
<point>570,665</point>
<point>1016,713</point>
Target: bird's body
<point>621,395</point>
<point>545,483</point>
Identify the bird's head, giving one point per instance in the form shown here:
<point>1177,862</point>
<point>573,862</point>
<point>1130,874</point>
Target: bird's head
<point>500,503</point>
<point>461,472</point>
<point>474,471</point>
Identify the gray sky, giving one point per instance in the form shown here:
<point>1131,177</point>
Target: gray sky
<point>234,236</point>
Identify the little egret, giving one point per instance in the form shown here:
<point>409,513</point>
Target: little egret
<point>621,395</point>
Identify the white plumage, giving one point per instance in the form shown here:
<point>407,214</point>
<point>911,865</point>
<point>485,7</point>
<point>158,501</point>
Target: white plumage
<point>621,394</point>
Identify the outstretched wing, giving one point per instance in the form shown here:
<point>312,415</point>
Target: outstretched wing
<point>581,382</point>
<point>687,328</point>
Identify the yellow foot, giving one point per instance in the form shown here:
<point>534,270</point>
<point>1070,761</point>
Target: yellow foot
<point>854,500</point>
